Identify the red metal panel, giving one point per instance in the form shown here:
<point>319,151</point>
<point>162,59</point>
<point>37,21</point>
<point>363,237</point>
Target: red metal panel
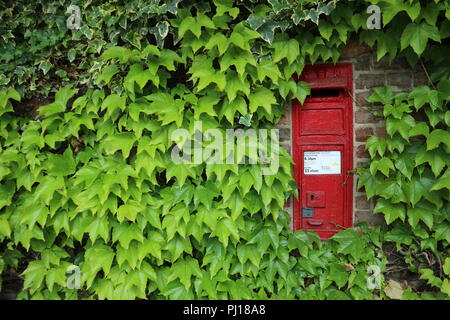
<point>323,140</point>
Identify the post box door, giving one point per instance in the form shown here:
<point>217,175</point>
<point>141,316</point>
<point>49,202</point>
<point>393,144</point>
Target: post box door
<point>323,151</point>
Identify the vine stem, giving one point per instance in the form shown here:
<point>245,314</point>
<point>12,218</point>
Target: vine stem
<point>426,73</point>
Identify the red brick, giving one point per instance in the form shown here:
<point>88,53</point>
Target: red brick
<point>420,78</point>
<point>361,99</point>
<point>380,132</point>
<point>354,49</point>
<point>365,116</point>
<point>286,119</point>
<point>362,164</point>
<point>285,134</point>
<point>396,64</point>
<point>371,219</point>
<point>370,80</point>
<point>399,79</point>
<point>362,134</point>
<point>362,153</point>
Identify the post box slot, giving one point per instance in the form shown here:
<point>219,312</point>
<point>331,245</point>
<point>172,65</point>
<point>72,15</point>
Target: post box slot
<point>325,93</point>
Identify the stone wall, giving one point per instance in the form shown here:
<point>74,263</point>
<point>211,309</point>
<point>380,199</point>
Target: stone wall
<point>368,73</point>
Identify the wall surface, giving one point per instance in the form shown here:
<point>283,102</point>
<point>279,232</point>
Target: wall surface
<point>368,73</point>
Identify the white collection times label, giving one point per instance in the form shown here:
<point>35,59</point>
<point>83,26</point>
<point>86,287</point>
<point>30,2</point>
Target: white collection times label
<point>322,162</point>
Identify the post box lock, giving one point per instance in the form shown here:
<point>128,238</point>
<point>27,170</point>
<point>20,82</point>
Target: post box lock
<point>308,212</point>
<point>315,199</point>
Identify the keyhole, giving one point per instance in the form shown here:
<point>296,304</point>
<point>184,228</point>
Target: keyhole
<point>312,197</point>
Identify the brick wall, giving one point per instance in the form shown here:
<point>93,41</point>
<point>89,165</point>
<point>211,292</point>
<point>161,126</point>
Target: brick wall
<point>367,73</point>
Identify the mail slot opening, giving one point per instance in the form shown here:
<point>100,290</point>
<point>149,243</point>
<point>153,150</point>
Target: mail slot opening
<point>325,93</point>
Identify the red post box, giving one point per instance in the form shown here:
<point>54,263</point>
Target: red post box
<point>323,150</point>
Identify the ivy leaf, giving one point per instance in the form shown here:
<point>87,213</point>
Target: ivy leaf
<point>350,242</point>
<point>180,172</point>
<point>220,41</point>
<point>374,144</point>
<point>167,108</point>
<point>421,212</point>
<point>125,233</point>
<point>391,211</point>
<point>402,126</point>
<point>369,182</point>
<point>383,165</point>
<point>435,158</point>
<point>391,189</point>
<point>420,95</point>
<point>45,66</point>
<point>288,49</point>
<point>224,228</point>
<point>267,69</point>
<point>61,98</point>
<point>195,25</point>
<point>405,164</point>
<point>206,105</point>
<point>121,53</point>
<point>34,213</point>
<point>442,231</point>
<point>235,204</point>
<point>5,229</point>
<point>238,59</point>
<point>99,227</point>
<point>34,275</point>
<point>167,58</point>
<point>112,103</point>
<point>248,252</point>
<point>183,269</point>
<point>338,274</point>
<point>129,211</point>
<point>226,6</point>
<point>383,95</point>
<point>177,246</point>
<point>415,190</point>
<point>229,108</point>
<point>121,141</point>
<point>98,257</point>
<point>262,97</point>
<point>107,74</point>
<point>71,54</point>
<point>417,35</point>
<point>61,165</point>
<point>205,195</point>
<point>421,128</point>
<point>149,246</point>
<point>140,76</point>
<point>235,83</point>
<point>203,71</point>
<point>443,182</point>
<point>437,137</point>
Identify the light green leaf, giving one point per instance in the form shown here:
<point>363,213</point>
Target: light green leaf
<point>391,211</point>
<point>121,141</point>
<point>262,97</point>
<point>417,35</point>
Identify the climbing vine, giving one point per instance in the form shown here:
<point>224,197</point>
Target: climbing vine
<point>86,128</point>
